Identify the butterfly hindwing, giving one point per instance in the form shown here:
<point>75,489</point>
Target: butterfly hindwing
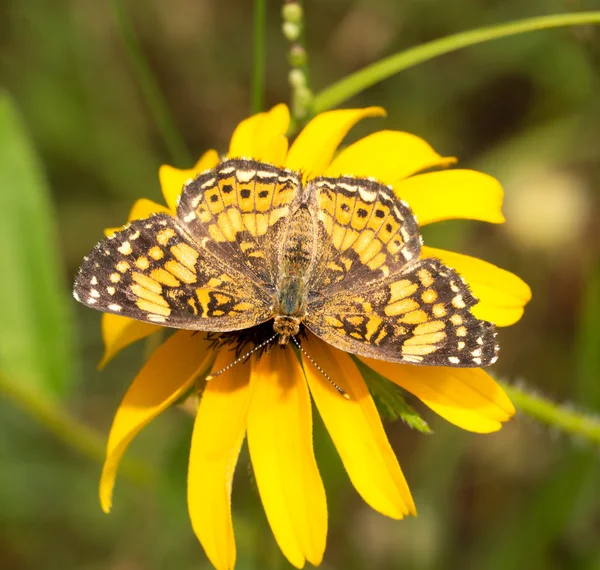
<point>420,315</point>
<point>239,211</point>
<point>152,271</point>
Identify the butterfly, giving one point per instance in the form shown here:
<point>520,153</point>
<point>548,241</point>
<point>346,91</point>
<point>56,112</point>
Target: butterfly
<point>253,243</point>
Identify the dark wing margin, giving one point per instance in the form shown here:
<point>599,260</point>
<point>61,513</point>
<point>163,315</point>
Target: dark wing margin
<point>420,315</point>
<point>152,271</point>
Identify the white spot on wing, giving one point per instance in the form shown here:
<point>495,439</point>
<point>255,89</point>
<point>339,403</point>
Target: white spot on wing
<point>245,175</point>
<point>125,248</point>
<point>411,358</point>
<point>156,318</point>
<point>266,174</point>
<point>367,195</point>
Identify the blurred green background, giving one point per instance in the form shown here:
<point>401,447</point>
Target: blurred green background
<point>525,109</point>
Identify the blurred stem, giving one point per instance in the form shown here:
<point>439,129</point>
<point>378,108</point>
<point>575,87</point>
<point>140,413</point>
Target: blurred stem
<point>152,94</point>
<point>372,74</point>
<point>588,338</point>
<point>572,422</point>
<point>293,28</point>
<point>258,71</point>
<point>69,430</point>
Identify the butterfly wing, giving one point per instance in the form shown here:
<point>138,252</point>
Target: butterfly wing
<point>420,315</point>
<point>366,232</point>
<point>240,211</point>
<point>153,271</point>
<point>371,294</point>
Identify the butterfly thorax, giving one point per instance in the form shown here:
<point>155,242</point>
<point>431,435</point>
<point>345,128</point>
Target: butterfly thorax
<point>296,261</point>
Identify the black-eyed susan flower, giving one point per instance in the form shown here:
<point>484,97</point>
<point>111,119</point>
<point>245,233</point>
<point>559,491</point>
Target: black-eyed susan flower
<point>268,399</point>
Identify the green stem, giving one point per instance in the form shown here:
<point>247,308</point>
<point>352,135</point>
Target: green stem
<point>152,94</point>
<point>299,79</point>
<point>70,430</point>
<point>551,414</point>
<point>258,71</point>
<point>353,84</point>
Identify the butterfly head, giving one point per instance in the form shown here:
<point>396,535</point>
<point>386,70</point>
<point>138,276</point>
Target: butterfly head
<point>286,326</point>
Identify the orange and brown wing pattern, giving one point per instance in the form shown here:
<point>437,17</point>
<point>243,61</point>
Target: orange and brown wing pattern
<point>239,211</point>
<point>152,271</point>
<point>367,233</point>
<point>419,315</point>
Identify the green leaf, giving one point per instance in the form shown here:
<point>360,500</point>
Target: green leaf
<point>35,321</point>
<point>353,84</point>
<point>389,399</point>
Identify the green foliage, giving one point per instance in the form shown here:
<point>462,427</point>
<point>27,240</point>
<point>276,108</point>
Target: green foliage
<point>359,81</point>
<point>36,348</point>
<point>390,401</point>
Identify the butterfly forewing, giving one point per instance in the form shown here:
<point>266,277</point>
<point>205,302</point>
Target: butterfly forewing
<point>240,211</point>
<point>153,271</point>
<point>367,232</point>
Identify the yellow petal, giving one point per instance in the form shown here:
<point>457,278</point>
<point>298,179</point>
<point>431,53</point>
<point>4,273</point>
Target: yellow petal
<point>271,144</point>
<point>356,430</point>
<point>218,435</point>
<point>244,136</point>
<point>280,444</point>
<point>387,156</point>
<point>467,397</point>
<point>166,376</point>
<point>173,179</point>
<point>119,332</point>
<point>502,295</point>
<point>316,144</point>
<point>453,194</point>
<point>141,209</point>
<point>262,136</point>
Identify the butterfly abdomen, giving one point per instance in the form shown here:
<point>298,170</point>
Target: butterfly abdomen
<point>297,252</point>
<point>292,296</point>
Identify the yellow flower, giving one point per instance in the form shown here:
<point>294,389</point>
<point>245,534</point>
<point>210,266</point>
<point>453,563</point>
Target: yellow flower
<point>268,400</point>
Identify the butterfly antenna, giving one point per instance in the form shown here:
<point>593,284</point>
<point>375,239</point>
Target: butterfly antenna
<point>243,357</point>
<point>295,340</point>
